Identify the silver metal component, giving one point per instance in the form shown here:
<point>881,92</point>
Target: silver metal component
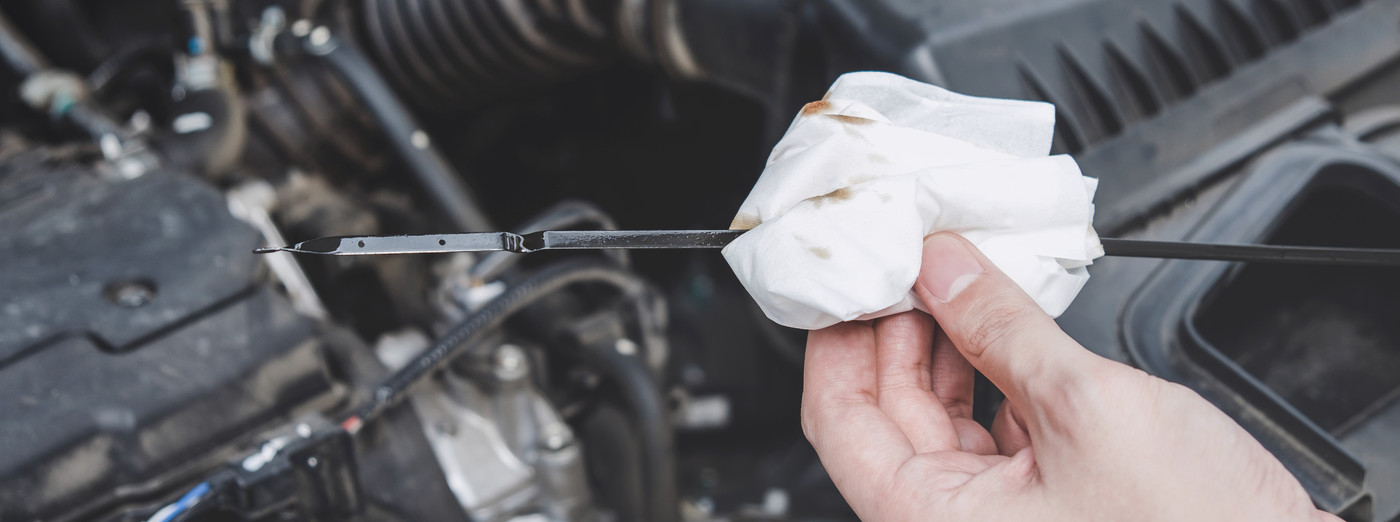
<point>320,36</point>
<point>53,90</point>
<point>197,73</point>
<point>511,363</point>
<point>140,122</point>
<point>506,452</point>
<point>703,412</point>
<point>110,145</point>
<point>192,122</point>
<point>419,139</point>
<point>301,28</point>
<point>626,347</point>
<point>273,21</point>
<point>199,67</point>
<point>396,349</point>
<point>252,202</point>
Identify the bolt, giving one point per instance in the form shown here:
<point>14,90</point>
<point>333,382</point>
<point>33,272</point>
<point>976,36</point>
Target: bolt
<point>511,364</point>
<point>320,36</point>
<point>301,28</point>
<point>303,430</point>
<point>419,139</point>
<point>312,462</point>
<point>626,347</point>
<point>556,437</point>
<point>554,442</point>
<point>131,294</point>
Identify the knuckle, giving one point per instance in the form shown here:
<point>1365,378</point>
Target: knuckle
<point>958,407</point>
<point>993,323</point>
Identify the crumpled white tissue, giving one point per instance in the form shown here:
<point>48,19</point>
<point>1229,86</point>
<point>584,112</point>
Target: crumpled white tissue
<point>839,215</point>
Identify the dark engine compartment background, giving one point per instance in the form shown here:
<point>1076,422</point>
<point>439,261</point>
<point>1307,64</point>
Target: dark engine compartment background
<point>1227,120</point>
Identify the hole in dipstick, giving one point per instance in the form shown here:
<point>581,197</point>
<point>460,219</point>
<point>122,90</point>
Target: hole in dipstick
<point>816,107</point>
<point>442,242</point>
<point>362,244</point>
<point>820,252</point>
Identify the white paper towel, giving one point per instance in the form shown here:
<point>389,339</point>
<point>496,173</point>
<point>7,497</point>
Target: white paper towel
<point>839,215</point>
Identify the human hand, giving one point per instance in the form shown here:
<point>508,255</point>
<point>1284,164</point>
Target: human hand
<point>888,406</point>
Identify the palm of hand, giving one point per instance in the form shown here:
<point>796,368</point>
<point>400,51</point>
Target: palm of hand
<point>888,406</point>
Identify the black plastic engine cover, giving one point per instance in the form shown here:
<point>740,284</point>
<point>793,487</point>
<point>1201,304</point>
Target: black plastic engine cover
<point>135,340</point>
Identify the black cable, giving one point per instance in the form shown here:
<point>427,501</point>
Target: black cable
<point>644,399</point>
<point>409,139</point>
<point>18,52</point>
<point>466,333</point>
<point>119,63</point>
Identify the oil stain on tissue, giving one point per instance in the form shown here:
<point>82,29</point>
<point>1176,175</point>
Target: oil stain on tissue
<point>816,107</point>
<point>745,222</point>
<point>820,252</point>
<point>841,194</point>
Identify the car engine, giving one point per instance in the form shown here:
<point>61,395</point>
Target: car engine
<point>147,147</point>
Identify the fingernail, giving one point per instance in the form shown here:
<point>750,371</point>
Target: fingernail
<point>948,267</point>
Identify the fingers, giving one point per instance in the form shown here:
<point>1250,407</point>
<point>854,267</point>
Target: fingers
<point>997,327</point>
<point>1009,431</point>
<point>953,384</point>
<point>860,446</point>
<point>904,360</point>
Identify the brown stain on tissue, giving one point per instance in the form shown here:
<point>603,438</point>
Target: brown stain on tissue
<point>820,252</point>
<point>745,222</point>
<point>841,194</point>
<point>816,107</point>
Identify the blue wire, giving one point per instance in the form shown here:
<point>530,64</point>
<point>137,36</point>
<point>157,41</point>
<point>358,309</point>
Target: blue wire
<point>170,511</point>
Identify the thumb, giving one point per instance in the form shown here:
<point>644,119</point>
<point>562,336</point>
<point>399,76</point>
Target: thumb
<point>996,326</point>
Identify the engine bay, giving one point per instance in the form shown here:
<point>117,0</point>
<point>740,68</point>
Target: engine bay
<point>148,147</point>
